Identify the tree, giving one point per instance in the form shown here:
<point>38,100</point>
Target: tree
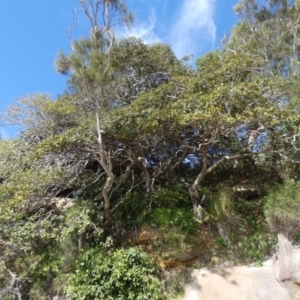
<point>222,112</point>
<point>269,31</point>
<point>89,65</point>
<point>38,116</point>
<point>105,73</point>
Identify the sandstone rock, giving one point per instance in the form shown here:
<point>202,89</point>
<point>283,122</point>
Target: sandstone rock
<point>148,234</point>
<point>191,254</point>
<point>63,203</point>
<point>57,204</point>
<point>287,267</point>
<point>245,283</point>
<point>276,280</point>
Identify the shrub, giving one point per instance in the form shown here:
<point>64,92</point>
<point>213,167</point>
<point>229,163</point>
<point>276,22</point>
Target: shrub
<point>123,275</point>
<point>175,217</point>
<point>221,205</point>
<point>282,209</point>
<point>255,247</point>
<point>171,197</point>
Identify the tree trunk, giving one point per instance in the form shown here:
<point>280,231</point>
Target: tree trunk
<point>106,188</point>
<point>106,163</point>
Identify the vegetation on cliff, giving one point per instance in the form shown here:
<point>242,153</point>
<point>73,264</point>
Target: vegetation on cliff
<point>139,138</point>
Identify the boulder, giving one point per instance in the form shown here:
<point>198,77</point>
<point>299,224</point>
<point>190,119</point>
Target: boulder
<point>148,234</point>
<point>277,279</point>
<point>63,203</point>
<point>245,283</point>
<point>287,266</point>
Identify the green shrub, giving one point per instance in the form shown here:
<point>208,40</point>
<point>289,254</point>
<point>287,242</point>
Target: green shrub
<point>123,275</point>
<point>255,247</point>
<point>133,206</point>
<point>176,217</point>
<point>221,204</point>
<point>173,196</point>
<point>282,209</point>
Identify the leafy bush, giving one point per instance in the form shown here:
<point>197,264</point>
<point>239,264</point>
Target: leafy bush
<point>167,217</point>
<point>133,206</point>
<point>123,275</point>
<point>282,209</point>
<point>173,196</point>
<point>256,247</point>
<point>221,205</point>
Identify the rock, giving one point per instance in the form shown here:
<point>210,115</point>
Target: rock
<point>191,254</point>
<point>287,266</point>
<point>245,283</point>
<point>277,279</point>
<point>185,257</point>
<point>57,204</point>
<point>147,234</point>
<point>63,203</point>
<point>171,256</point>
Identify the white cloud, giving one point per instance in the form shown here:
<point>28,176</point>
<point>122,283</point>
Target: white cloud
<point>194,28</point>
<point>145,30</point>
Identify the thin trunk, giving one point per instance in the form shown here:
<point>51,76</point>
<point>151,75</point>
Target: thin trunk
<point>143,167</point>
<point>197,208</point>
<point>106,163</point>
<point>179,162</point>
<point>106,188</point>
<point>81,241</point>
<point>204,169</point>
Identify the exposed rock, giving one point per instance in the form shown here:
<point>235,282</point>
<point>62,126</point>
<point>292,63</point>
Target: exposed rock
<point>57,204</point>
<point>192,254</point>
<point>277,279</point>
<point>62,203</point>
<point>148,234</point>
<point>185,257</point>
<point>247,283</point>
<point>171,256</point>
<point>287,266</point>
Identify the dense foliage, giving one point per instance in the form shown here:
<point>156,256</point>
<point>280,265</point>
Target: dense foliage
<point>140,138</point>
<point>125,274</point>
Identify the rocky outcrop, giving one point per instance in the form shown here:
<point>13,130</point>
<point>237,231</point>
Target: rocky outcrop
<point>287,266</point>
<point>55,204</point>
<point>277,279</point>
<point>149,238</point>
<point>148,234</point>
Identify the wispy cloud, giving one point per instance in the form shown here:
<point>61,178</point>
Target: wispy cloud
<point>145,30</point>
<point>194,28</point>
<point>187,25</point>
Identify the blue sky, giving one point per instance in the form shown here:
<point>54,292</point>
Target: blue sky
<point>33,31</point>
